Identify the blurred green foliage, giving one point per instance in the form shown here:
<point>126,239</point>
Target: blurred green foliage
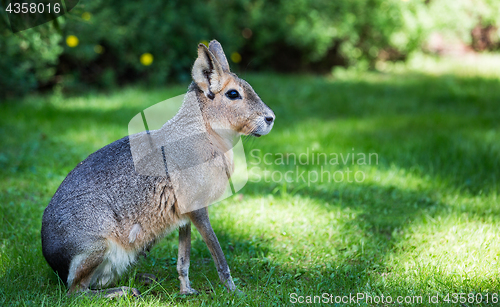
<point>28,58</point>
<point>290,35</point>
<point>286,35</point>
<point>457,18</point>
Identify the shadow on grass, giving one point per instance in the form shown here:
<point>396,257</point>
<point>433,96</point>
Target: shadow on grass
<point>445,127</point>
<point>359,261</point>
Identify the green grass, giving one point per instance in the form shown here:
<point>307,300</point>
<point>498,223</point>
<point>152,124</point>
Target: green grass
<point>425,221</point>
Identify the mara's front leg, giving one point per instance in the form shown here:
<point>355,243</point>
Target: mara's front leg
<point>201,221</point>
<point>183,259</point>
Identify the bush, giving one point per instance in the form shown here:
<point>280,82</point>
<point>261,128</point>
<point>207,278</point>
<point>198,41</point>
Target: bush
<point>28,58</point>
<point>358,30</point>
<point>278,34</point>
<point>283,35</point>
<point>117,33</point>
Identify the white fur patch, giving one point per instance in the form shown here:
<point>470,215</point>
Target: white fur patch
<point>116,260</point>
<point>74,265</point>
<point>136,229</point>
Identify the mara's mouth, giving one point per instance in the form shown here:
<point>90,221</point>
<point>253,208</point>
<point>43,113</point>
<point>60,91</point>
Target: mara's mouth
<point>256,134</point>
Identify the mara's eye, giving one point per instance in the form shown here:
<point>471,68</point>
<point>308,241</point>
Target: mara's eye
<point>233,94</point>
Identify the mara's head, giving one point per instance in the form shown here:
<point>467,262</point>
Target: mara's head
<point>228,102</point>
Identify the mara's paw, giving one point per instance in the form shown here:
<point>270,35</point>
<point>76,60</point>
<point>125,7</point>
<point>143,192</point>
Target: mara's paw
<point>189,291</point>
<point>146,278</point>
<point>119,291</point>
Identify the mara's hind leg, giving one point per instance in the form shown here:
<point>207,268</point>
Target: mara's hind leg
<point>83,268</point>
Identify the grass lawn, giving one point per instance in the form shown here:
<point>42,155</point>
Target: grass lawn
<point>420,220</point>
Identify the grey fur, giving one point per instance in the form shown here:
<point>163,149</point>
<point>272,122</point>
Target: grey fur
<point>106,212</point>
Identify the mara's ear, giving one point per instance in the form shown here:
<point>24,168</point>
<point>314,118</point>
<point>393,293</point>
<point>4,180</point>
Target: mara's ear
<point>216,49</point>
<point>207,72</point>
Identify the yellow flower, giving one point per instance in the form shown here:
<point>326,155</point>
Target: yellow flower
<point>86,16</point>
<point>98,49</point>
<point>72,41</point>
<point>235,57</point>
<point>146,59</point>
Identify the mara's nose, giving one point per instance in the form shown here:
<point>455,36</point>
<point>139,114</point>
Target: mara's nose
<point>269,119</point>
